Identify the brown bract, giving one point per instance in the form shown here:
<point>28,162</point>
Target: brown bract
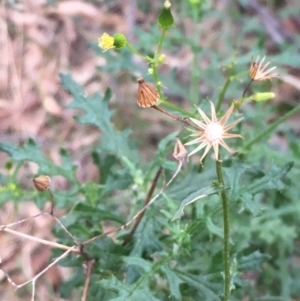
<point>147,96</point>
<point>42,183</point>
<point>259,72</point>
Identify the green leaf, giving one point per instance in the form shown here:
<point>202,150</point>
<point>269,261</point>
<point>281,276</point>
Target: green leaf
<point>260,178</point>
<point>209,291</point>
<point>32,152</point>
<point>252,261</point>
<point>97,112</point>
<point>98,214</point>
<point>127,292</point>
<point>204,192</point>
<point>174,282</point>
<point>145,265</point>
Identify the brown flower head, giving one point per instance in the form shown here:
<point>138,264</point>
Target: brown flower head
<point>212,132</point>
<point>42,183</point>
<point>259,72</point>
<point>147,96</point>
<point>180,153</point>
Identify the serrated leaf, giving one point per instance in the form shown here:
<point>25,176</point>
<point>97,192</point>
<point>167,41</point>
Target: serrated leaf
<point>174,282</point>
<point>213,229</point>
<point>252,261</point>
<point>97,112</point>
<point>145,265</point>
<point>260,180</point>
<point>210,291</point>
<point>127,292</point>
<point>204,192</point>
<point>32,152</point>
<point>271,180</point>
<point>85,211</point>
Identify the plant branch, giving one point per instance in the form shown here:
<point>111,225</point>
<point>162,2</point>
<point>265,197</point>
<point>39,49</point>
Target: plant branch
<point>247,87</point>
<point>225,87</point>
<point>87,279</point>
<point>226,245</point>
<point>45,242</point>
<point>179,119</point>
<point>147,200</point>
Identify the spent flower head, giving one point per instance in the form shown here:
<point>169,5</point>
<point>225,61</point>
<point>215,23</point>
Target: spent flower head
<point>259,72</point>
<point>211,132</point>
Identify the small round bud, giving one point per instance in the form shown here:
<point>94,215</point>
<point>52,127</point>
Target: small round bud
<point>165,19</point>
<point>42,183</point>
<point>120,40</point>
<point>150,70</point>
<point>161,58</point>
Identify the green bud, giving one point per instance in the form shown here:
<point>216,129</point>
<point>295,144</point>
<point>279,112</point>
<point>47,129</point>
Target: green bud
<point>119,40</point>
<point>262,96</point>
<point>8,165</point>
<point>161,58</point>
<point>150,70</point>
<point>165,19</point>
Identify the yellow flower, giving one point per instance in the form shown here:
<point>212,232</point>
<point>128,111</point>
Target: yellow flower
<point>259,72</point>
<point>106,42</point>
<point>212,132</point>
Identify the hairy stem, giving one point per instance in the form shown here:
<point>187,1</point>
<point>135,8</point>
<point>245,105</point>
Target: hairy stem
<point>225,87</point>
<point>226,246</point>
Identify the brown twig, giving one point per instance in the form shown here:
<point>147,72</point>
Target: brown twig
<point>52,202</point>
<point>89,266</point>
<point>179,119</point>
<point>147,200</point>
<point>247,87</point>
<point>42,241</point>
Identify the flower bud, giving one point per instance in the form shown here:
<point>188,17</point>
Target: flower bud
<point>120,40</point>
<point>180,153</point>
<point>42,183</point>
<point>165,19</point>
<point>150,70</point>
<point>262,96</point>
<point>161,58</point>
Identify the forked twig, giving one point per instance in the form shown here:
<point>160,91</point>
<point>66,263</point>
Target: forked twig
<point>147,200</point>
<point>40,240</point>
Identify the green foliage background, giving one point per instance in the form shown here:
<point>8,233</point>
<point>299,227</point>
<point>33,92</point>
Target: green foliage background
<point>180,259</point>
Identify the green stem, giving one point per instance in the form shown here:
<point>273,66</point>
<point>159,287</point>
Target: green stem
<point>226,246</point>
<point>155,63</point>
<point>225,87</point>
<point>269,130</point>
<point>194,90</point>
<point>176,108</point>
<point>159,46</point>
<point>131,48</point>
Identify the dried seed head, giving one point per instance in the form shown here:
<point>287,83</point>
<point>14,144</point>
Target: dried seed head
<point>259,70</point>
<point>212,132</point>
<point>147,96</point>
<point>42,183</point>
<point>180,153</point>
